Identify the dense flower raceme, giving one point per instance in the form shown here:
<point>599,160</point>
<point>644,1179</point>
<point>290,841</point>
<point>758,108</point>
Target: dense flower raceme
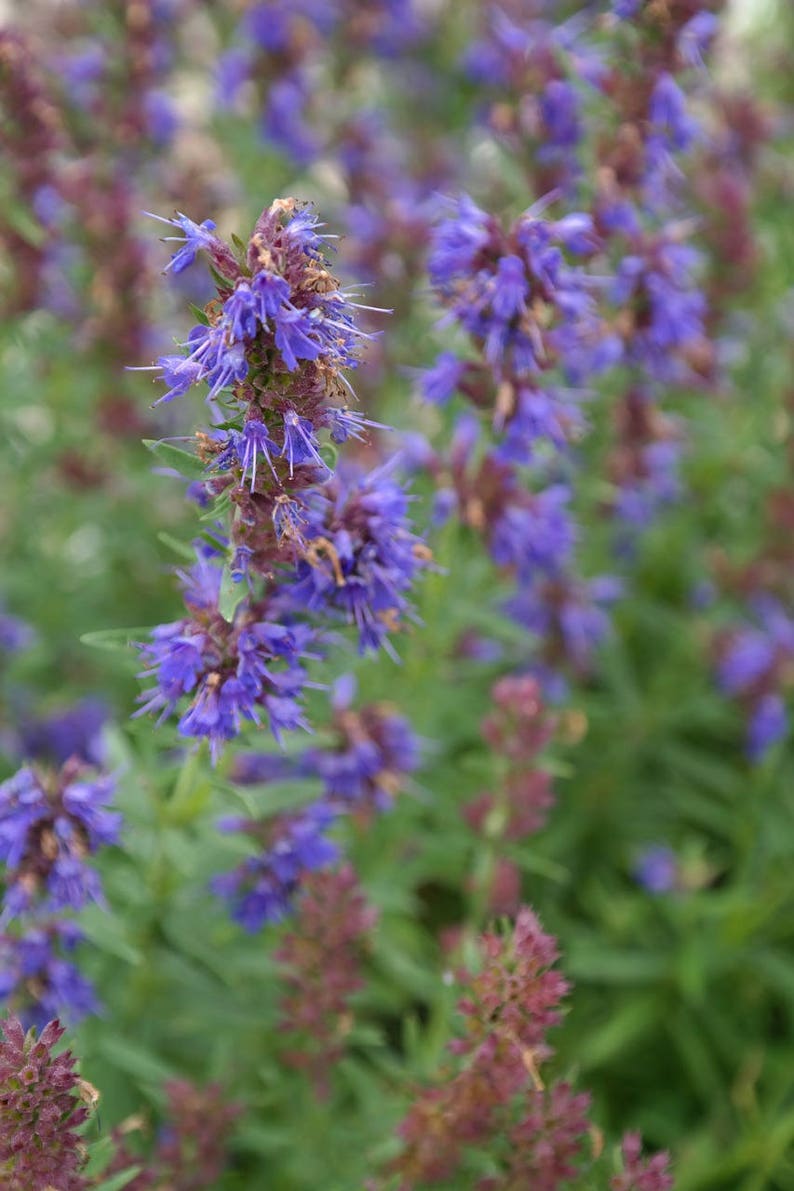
<point>246,668</point>
<point>531,72</point>
<point>304,544</point>
<point>49,824</point>
<point>516,730</point>
<point>321,961</point>
<point>755,666</point>
<point>533,536</point>
<point>496,1090</point>
<point>525,308</point>
<point>360,771</point>
<point>191,1151</point>
<point>42,1107</point>
<point>290,49</point>
<point>36,978</point>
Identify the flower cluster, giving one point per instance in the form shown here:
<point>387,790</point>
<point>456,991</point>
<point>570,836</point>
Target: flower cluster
<point>496,1090</point>
<point>282,48</point>
<point>525,68</point>
<point>49,826</point>
<point>639,1174</point>
<point>321,961</point>
<point>191,1152</point>
<point>516,730</point>
<point>360,771</point>
<point>524,307</point>
<point>41,1111</point>
<point>304,544</point>
<point>755,666</point>
<point>243,668</point>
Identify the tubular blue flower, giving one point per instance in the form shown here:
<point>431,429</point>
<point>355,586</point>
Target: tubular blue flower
<point>361,557</point>
<point>292,337</point>
<point>767,725</point>
<point>15,633</point>
<point>76,732</point>
<point>657,869</point>
<point>194,238</point>
<point>535,535</point>
<point>373,752</point>
<point>559,106</point>
<point>271,292</point>
<point>36,979</point>
<point>667,112</point>
<point>240,313</point>
<point>231,72</point>
<point>253,441</point>
<point>510,288</point>
<point>348,423</point>
<point>440,382</point>
<point>695,38</point>
<point>284,122</point>
<point>263,887</point>
<point>300,442</point>
<point>222,363</point>
<point>47,829</point>
<point>232,671</point>
<point>457,241</point>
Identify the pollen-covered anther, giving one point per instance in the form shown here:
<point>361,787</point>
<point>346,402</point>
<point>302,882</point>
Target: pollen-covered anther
<point>207,446</point>
<point>264,256</point>
<point>505,401</point>
<point>391,618</point>
<point>320,548</point>
<point>319,280</point>
<point>475,513</point>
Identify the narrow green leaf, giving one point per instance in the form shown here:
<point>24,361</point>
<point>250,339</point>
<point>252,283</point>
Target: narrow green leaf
<point>181,548</point>
<point>117,1181</point>
<point>231,594</point>
<point>199,314</point>
<point>115,639</point>
<point>185,462</point>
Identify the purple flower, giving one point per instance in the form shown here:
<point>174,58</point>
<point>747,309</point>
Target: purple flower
<point>510,288</point>
<point>457,241</point>
<point>440,382</point>
<point>284,122</point>
<point>38,981</point>
<point>15,633</point>
<point>194,238</point>
<point>559,106</point>
<point>300,442</point>
<point>292,337</point>
<point>668,114</point>
<point>240,313</point>
<point>536,534</point>
<point>46,832</point>
<point>76,732</point>
<point>348,423</point>
<point>254,441</point>
<point>262,888</point>
<point>178,374</point>
<point>695,38</point>
<point>162,120</point>
<point>657,869</point>
<point>361,557</point>
<point>232,671</point>
<point>271,292</point>
<point>768,724</point>
<point>232,71</point>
